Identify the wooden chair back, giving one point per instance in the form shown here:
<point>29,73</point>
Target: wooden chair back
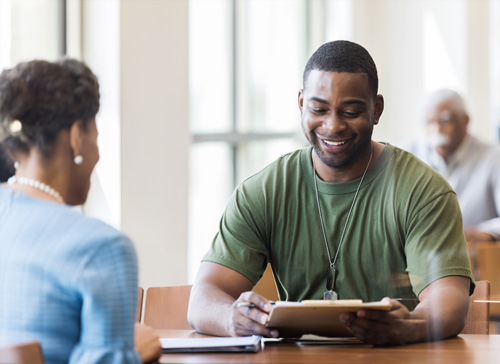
<point>266,286</point>
<point>487,258</point>
<point>25,353</point>
<point>478,317</point>
<point>138,313</point>
<point>166,307</point>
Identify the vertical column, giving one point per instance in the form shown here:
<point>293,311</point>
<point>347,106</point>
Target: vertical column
<point>494,31</point>
<point>478,69</point>
<point>155,136</point>
<point>392,32</point>
<point>100,48</point>
<point>139,51</point>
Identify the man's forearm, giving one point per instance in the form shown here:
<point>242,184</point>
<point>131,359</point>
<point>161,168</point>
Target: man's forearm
<point>442,311</point>
<point>209,311</point>
<point>214,291</point>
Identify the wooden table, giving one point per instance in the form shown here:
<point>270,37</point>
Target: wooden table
<point>464,349</point>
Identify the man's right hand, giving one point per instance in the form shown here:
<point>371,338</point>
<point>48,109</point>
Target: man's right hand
<point>215,305</point>
<point>249,316</point>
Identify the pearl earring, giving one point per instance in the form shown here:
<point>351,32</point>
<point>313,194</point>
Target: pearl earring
<point>78,159</point>
<point>16,164</point>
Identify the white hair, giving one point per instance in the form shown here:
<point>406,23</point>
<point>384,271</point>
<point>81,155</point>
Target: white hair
<point>445,95</point>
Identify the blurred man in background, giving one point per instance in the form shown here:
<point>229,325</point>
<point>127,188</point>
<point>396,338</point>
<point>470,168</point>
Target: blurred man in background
<point>471,167</point>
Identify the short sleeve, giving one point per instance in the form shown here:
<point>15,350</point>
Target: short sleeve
<point>241,242</point>
<point>436,248</point>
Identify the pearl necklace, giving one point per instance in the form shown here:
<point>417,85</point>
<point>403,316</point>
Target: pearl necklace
<point>38,185</point>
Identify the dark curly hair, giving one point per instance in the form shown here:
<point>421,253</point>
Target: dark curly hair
<point>46,98</point>
<point>343,56</point>
<point>6,165</point>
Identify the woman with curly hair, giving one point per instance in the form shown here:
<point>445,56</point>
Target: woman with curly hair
<point>66,280</point>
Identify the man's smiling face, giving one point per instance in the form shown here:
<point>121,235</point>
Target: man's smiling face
<point>338,115</point>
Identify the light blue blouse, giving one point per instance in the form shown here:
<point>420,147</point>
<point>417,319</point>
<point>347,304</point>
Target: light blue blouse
<point>66,280</point>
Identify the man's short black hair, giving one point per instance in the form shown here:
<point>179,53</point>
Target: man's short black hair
<point>343,56</point>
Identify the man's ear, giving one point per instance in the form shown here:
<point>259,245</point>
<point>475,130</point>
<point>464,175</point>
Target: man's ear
<point>75,137</point>
<point>301,99</point>
<point>378,109</point>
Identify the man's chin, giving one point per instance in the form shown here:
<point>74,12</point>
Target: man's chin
<point>332,162</point>
<point>443,151</point>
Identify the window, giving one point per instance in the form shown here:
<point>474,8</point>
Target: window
<point>246,63</point>
<point>31,29</point>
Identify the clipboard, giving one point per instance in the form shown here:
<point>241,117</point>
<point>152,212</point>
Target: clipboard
<point>316,317</point>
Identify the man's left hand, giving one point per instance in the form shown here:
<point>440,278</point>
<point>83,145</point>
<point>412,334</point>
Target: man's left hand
<point>440,314</point>
<point>381,327</point>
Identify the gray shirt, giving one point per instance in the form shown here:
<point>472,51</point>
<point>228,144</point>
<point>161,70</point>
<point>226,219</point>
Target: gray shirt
<point>473,171</point>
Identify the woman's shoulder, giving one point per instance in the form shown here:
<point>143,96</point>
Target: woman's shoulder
<point>90,230</point>
<point>62,224</point>
<point>92,242</point>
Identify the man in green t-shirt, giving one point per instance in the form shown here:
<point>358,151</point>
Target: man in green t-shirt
<point>346,218</point>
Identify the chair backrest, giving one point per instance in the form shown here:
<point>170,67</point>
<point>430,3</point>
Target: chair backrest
<point>166,307</point>
<point>488,256</point>
<point>266,287</point>
<point>25,353</point>
<point>138,313</point>
<point>478,317</point>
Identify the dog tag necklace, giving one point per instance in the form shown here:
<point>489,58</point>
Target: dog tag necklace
<point>330,294</point>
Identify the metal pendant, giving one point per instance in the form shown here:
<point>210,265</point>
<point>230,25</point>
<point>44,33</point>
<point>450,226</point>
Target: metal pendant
<point>330,296</point>
<point>330,278</point>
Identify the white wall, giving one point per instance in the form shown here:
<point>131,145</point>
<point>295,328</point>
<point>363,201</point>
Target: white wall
<point>33,21</point>
<point>398,59</point>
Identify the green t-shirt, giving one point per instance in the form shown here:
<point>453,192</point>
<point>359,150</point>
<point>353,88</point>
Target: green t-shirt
<point>405,230</point>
